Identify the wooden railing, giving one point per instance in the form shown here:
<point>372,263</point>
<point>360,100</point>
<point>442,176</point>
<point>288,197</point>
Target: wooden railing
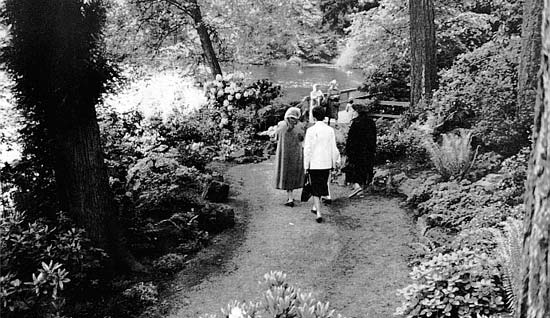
<point>347,95</point>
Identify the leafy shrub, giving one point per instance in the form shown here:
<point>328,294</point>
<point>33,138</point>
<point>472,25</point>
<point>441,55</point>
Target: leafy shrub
<point>453,158</point>
<point>142,293</point>
<point>479,92</point>
<point>161,186</point>
<point>48,254</point>
<point>462,33</point>
<point>464,283</point>
<point>485,163</point>
<point>280,300</point>
<point>170,263</point>
<point>395,142</point>
<point>469,205</point>
<point>388,81</point>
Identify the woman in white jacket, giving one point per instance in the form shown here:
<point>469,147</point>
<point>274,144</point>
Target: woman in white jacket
<point>320,156</point>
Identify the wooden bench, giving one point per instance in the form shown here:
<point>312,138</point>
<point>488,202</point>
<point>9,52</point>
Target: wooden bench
<point>347,94</point>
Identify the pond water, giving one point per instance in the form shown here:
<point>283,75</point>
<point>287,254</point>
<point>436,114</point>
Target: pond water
<point>296,81</point>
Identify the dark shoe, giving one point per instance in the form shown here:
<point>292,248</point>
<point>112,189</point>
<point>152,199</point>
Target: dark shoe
<point>290,203</point>
<point>313,211</point>
<point>319,219</point>
<point>326,201</point>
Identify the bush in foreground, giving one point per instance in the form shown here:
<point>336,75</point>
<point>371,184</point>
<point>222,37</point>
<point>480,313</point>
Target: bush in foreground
<point>464,283</point>
<point>280,300</point>
<point>39,262</point>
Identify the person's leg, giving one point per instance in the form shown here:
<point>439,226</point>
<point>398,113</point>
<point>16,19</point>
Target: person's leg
<point>317,208</point>
<point>328,198</point>
<point>290,198</point>
<point>356,190</point>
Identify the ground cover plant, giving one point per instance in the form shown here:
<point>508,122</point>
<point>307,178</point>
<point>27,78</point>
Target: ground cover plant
<point>479,218</point>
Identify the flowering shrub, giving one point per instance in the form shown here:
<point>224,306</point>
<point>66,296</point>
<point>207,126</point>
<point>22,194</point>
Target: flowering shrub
<point>280,300</point>
<point>464,283</point>
<point>230,95</point>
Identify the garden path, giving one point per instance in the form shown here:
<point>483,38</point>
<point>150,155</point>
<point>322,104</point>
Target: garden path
<point>356,260</point>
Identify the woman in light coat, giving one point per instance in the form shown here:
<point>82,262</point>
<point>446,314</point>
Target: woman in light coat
<point>289,172</point>
<point>320,156</point>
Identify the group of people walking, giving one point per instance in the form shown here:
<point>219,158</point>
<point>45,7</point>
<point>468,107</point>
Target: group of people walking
<point>312,153</point>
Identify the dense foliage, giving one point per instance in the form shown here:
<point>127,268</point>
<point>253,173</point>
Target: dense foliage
<point>458,284</point>
<point>479,92</point>
<point>475,219</point>
<point>43,263</point>
<point>241,31</point>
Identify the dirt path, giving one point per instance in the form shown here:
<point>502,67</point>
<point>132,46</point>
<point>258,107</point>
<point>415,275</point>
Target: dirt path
<point>356,259</point>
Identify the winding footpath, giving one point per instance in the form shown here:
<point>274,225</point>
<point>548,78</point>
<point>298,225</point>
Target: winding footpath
<point>356,259</point>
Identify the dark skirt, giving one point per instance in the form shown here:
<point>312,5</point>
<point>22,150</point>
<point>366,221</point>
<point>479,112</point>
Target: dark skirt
<point>319,182</point>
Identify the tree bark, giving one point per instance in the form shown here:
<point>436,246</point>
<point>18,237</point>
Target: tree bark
<point>57,58</point>
<point>530,55</point>
<point>423,58</point>
<point>534,300</point>
<point>82,184</point>
<point>206,42</point>
<point>81,179</point>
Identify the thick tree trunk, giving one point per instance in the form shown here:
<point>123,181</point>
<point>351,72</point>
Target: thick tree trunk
<point>81,179</point>
<point>534,299</point>
<point>206,42</point>
<point>83,188</point>
<point>530,55</point>
<point>423,58</point>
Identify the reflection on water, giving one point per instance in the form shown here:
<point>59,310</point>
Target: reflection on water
<point>296,81</point>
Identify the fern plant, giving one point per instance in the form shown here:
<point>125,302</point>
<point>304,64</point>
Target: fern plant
<point>454,157</point>
<point>509,242</point>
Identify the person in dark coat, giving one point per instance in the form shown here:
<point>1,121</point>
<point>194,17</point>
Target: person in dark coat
<point>360,149</point>
<point>289,158</point>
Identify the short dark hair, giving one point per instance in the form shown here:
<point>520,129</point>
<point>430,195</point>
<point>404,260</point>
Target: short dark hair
<point>318,113</point>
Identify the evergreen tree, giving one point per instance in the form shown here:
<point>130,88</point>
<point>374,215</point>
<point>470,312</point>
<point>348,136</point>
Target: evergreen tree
<point>423,50</point>
<point>534,300</point>
<point>55,56</point>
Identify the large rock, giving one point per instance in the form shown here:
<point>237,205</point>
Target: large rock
<point>216,191</point>
<point>215,218</point>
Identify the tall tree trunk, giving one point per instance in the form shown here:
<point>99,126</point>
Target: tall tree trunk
<point>206,42</point>
<point>530,55</point>
<point>423,58</point>
<point>534,299</point>
<point>82,183</point>
<point>81,178</point>
<point>56,57</point>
